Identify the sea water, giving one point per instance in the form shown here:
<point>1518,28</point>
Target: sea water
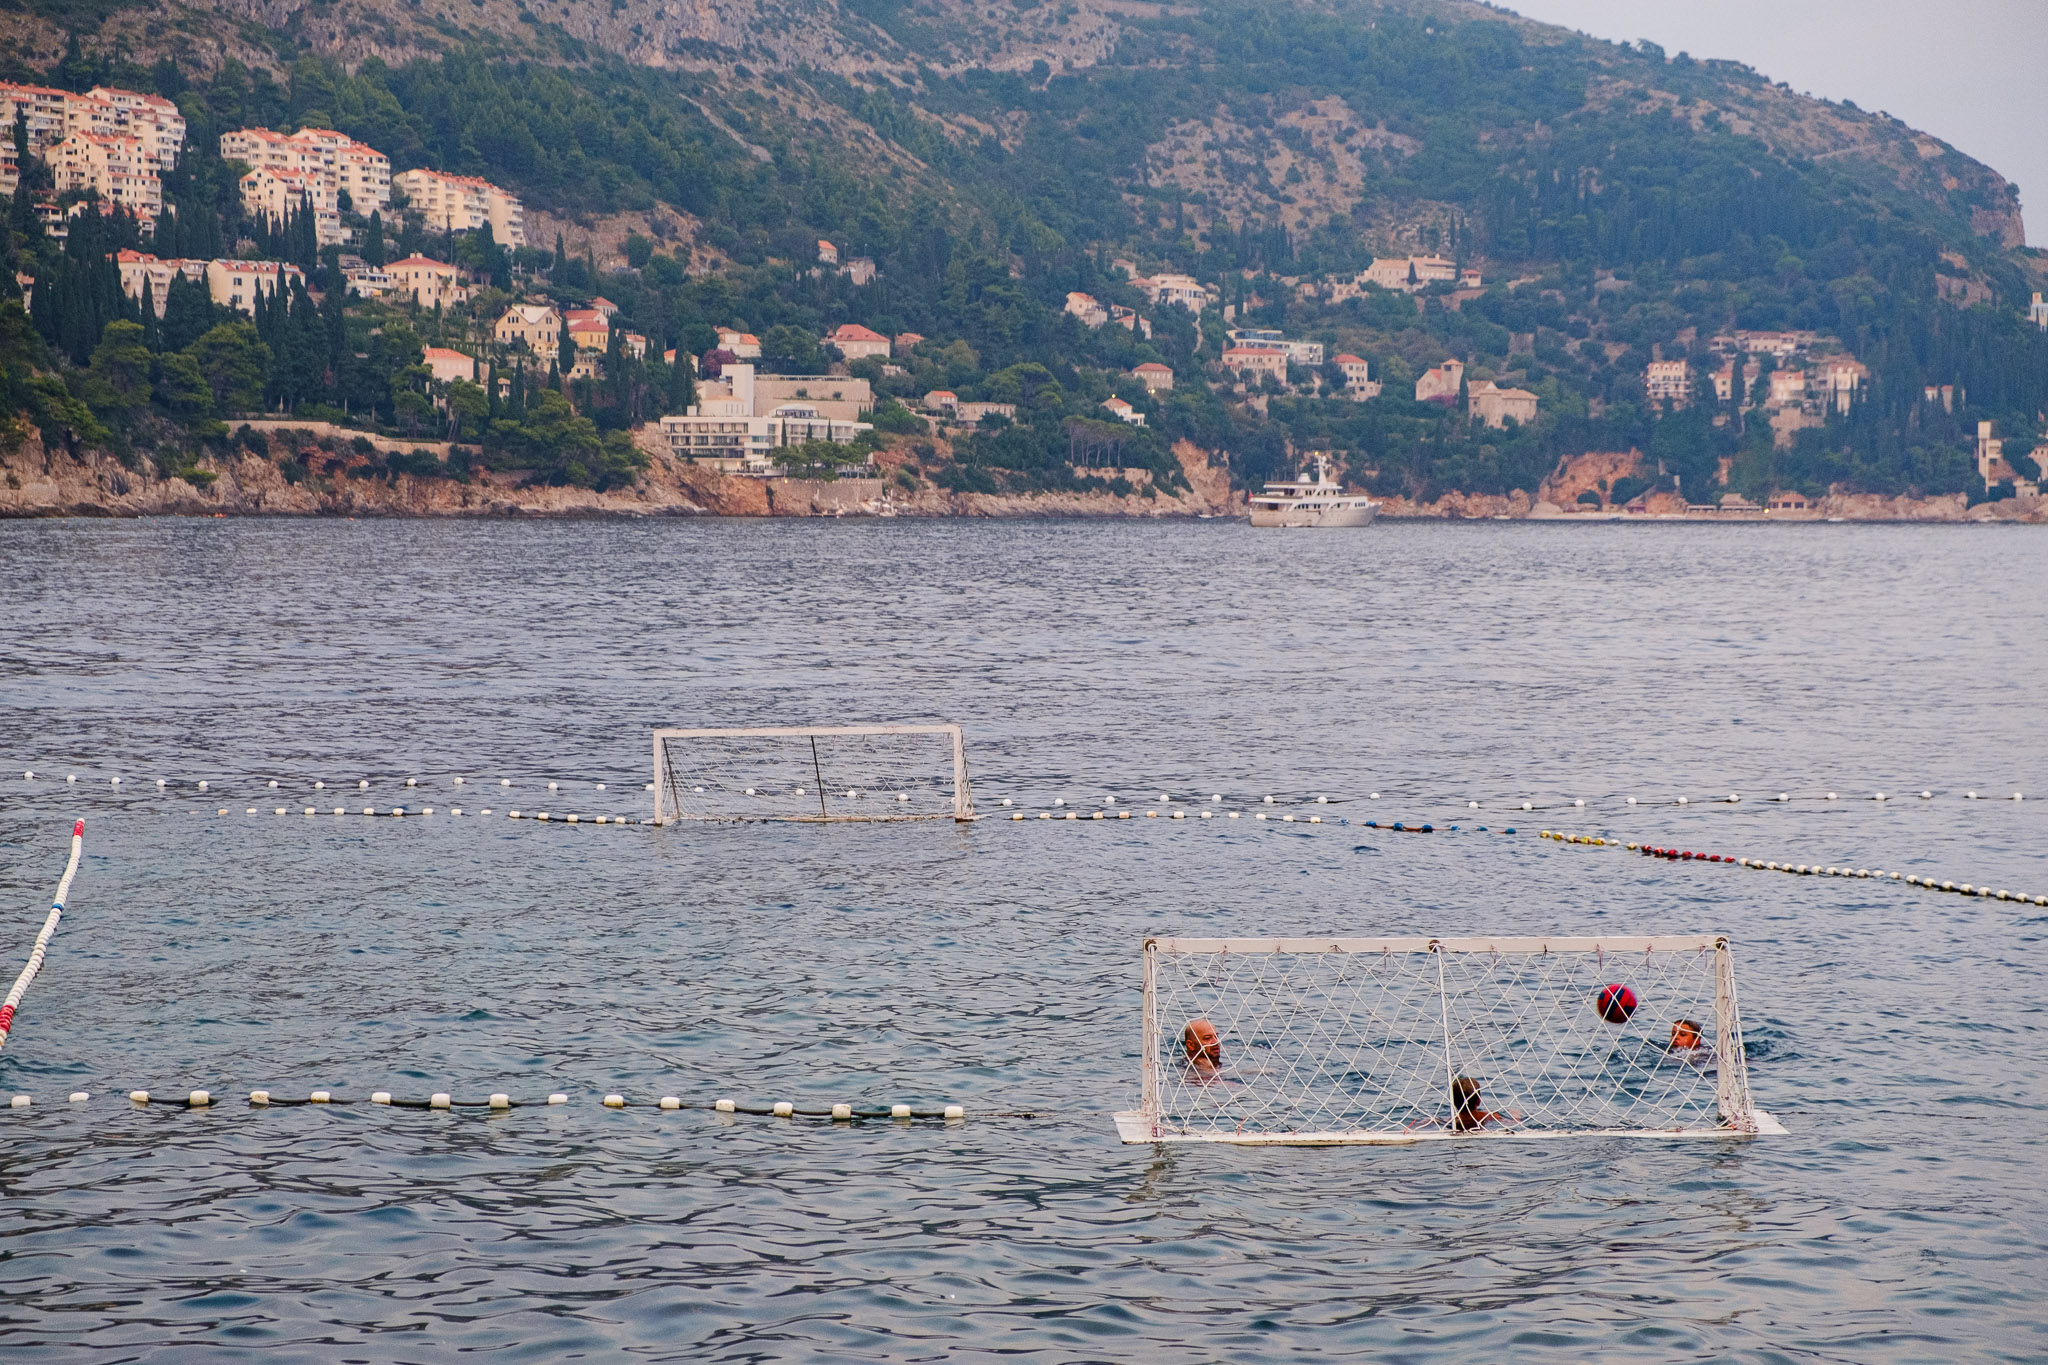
<point>1898,1034</point>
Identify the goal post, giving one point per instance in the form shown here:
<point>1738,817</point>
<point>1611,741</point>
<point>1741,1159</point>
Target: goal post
<point>1328,1041</point>
<point>812,773</point>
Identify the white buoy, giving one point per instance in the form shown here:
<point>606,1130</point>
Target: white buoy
<point>138,1096</point>
<point>1471,805</point>
<point>198,1099</point>
<point>1269,801</point>
<point>160,782</point>
<point>363,785</point>
<point>1217,799</point>
<point>2015,796</point>
<point>319,786</point>
<point>842,1112</point>
<point>1733,799</point>
<point>1784,796</point>
<point>750,791</point>
<point>1969,796</point>
<point>784,1109</point>
<point>412,781</point>
<point>1833,797</point>
<point>458,781</point>
<point>600,786</point>
<point>1631,800</point>
<point>899,1111</point>
<point>309,810</point>
<point>1059,800</point>
<point>439,1100</point>
<point>337,810</point>
<point>1878,797</point>
<point>558,1099</point>
<point>1233,815</point>
<point>1006,800</point>
<point>29,775</point>
<point>80,1096</point>
<point>1322,800</point>
<point>321,1097</point>
<point>252,810</point>
<point>71,777</point>
<point>1527,806</point>
<point>202,784</point>
<point>114,781</point>
<point>1682,800</point>
<point>724,1106</point>
<point>902,796</point>
<point>1164,798</point>
<point>1182,815</point>
<point>671,1102</point>
<point>1208,815</point>
<point>650,787</point>
<point>501,1101</point>
<point>279,810</point>
<point>954,1111</point>
<point>551,787</point>
<point>1926,796</point>
<point>504,781</point>
<point>1374,797</point>
<point>380,1097</point>
<point>615,1101</point>
<point>273,782</point>
<point>20,1102</point>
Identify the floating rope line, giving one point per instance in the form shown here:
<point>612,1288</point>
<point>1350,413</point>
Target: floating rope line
<point>1806,869</point>
<point>42,948</point>
<point>782,1109</point>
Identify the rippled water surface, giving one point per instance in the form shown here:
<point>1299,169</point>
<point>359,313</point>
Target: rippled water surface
<point>1900,1035</point>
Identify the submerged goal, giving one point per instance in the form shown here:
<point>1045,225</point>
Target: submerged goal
<point>812,773</point>
<point>1330,1041</point>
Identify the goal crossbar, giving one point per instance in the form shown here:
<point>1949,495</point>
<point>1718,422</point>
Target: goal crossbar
<point>811,774</point>
<point>1304,1041</point>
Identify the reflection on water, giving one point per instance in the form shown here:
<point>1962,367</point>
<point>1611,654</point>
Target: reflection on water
<point>1896,1033</point>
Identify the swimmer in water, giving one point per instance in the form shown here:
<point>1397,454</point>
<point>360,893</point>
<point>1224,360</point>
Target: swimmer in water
<point>1203,1048</point>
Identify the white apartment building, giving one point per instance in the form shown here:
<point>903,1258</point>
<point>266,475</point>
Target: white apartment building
<point>274,195</point>
<point>725,430</point>
<point>235,284</point>
<point>145,278</point>
<point>119,169</point>
<point>360,171</point>
<point>54,115</point>
<point>1174,289</point>
<point>431,283</point>
<point>464,203</point>
<point>1298,352</point>
<point>1668,381</point>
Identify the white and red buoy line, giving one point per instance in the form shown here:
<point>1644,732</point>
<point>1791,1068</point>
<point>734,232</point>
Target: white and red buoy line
<point>42,948</point>
<point>1804,869</point>
<point>501,1102</point>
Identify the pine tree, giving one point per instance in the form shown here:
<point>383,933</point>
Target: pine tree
<point>373,240</point>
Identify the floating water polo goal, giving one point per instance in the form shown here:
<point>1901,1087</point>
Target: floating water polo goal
<point>1355,1040</point>
<point>812,773</point>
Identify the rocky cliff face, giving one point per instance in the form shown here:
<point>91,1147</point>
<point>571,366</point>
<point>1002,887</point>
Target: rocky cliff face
<point>35,482</point>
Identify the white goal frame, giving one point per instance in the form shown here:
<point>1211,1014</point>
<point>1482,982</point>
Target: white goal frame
<point>963,800</point>
<point>1738,1116</point>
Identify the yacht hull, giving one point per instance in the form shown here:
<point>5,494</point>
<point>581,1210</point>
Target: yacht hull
<point>1304,517</point>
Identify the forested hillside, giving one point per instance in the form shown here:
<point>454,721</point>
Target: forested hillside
<point>1621,205</point>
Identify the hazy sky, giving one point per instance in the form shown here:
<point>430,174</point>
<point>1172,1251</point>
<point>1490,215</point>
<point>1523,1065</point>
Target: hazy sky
<point>1972,72</point>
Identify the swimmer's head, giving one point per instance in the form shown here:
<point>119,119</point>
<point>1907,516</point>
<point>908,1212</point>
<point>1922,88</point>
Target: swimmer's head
<point>1201,1044</point>
<point>1685,1033</point>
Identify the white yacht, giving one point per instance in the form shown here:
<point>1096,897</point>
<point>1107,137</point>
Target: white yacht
<point>1320,501</point>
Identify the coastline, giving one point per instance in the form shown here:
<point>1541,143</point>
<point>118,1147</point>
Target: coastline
<point>35,483</point>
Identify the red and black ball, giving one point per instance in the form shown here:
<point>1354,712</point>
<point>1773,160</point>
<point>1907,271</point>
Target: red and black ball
<point>1616,1003</point>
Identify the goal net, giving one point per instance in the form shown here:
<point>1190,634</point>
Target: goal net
<point>812,773</point>
<point>1322,1041</point>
